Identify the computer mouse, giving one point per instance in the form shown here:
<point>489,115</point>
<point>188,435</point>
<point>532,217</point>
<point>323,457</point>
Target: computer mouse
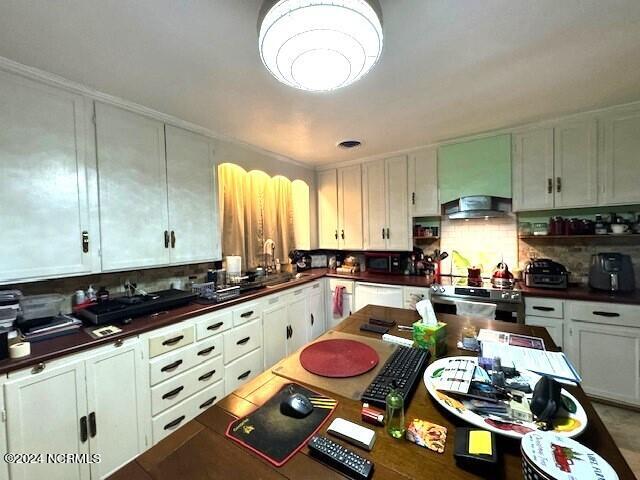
<point>296,405</point>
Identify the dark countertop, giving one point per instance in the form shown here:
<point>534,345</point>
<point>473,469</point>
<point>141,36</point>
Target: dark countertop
<point>47,350</point>
<point>57,347</point>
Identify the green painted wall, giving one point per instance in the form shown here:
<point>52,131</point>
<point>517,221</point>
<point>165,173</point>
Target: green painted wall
<point>477,167</point>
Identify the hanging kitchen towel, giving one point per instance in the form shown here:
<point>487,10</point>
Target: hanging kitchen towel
<point>476,309</point>
<point>338,299</point>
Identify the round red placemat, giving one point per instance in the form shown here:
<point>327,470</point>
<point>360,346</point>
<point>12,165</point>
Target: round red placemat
<point>338,358</point>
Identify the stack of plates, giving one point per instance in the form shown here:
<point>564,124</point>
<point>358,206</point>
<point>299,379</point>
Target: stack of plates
<point>547,456</point>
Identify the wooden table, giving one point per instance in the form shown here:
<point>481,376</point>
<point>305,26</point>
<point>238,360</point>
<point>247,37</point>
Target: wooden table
<point>199,450</point>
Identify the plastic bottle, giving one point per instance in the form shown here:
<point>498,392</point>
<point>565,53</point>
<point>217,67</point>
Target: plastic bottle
<point>395,413</point>
<point>91,294</point>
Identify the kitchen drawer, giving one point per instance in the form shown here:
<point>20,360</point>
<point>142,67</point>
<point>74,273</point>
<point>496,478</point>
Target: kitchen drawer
<point>246,313</point>
<point>176,389</point>
<point>544,307</point>
<point>213,323</point>
<point>243,370</point>
<point>170,340</point>
<point>604,313</point>
<point>347,284</point>
<point>241,340</point>
<point>178,361</point>
<point>171,420</point>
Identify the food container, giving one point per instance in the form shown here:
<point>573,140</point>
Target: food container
<point>547,456</point>
<point>41,306</point>
<point>540,229</point>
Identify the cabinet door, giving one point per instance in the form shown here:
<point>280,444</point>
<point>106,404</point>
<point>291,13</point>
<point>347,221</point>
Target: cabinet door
<point>576,164</point>
<point>397,209</point>
<point>297,314</point>
<point>115,386</point>
<point>375,219</point>
<point>423,183</point>
<point>193,208</point>
<point>44,204</point>
<point>554,326</point>
<point>274,328</point>
<point>621,158</point>
<point>45,414</point>
<point>533,182</point>
<point>133,189</point>
<point>328,209</point>
<point>4,466</point>
<point>608,358</point>
<point>350,207</point>
<point>316,311</point>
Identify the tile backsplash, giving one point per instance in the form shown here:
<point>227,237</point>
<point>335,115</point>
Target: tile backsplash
<point>575,253</point>
<point>482,241</point>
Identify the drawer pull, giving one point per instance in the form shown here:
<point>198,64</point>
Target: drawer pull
<point>206,376</point>
<point>173,341</point>
<point>243,341</point>
<point>244,375</point>
<point>206,351</point>
<point>215,326</point>
<point>208,402</point>
<point>175,423</point>
<point>543,309</point>
<point>247,314</point>
<point>173,393</point>
<point>171,366</point>
<point>312,320</point>
<point>92,425</point>
<point>606,314</point>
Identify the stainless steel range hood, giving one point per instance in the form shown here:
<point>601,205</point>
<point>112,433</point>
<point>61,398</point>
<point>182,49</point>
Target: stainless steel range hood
<point>477,206</point>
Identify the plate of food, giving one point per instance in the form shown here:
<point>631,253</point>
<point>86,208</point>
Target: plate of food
<point>477,404</point>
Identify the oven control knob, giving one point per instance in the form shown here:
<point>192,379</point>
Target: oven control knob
<point>505,295</point>
<point>442,290</point>
<point>434,288</point>
<point>515,296</point>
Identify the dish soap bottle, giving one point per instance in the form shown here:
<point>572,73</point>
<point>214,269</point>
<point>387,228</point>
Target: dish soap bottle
<point>395,412</point>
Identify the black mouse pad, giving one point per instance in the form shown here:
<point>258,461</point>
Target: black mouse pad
<point>277,437</point>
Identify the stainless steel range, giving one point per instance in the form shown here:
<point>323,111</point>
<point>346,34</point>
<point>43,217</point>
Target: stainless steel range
<point>508,301</point>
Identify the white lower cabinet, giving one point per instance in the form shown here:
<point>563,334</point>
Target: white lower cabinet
<point>317,315</point>
<point>554,326</point>
<point>243,369</point>
<point>275,328</point>
<point>86,404</point>
<point>348,301</point>
<point>297,318</point>
<point>378,294</point>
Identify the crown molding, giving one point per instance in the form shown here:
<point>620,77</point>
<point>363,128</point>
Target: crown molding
<point>52,79</point>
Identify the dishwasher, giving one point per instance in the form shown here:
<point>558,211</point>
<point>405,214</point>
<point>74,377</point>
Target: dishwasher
<point>378,294</point>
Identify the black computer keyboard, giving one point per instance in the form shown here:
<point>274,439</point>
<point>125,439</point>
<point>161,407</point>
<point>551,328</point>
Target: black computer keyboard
<point>405,366</point>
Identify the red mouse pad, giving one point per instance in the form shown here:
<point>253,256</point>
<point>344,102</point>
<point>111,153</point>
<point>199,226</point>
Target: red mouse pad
<point>338,358</point>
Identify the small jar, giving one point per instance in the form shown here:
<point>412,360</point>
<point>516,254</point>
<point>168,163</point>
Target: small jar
<point>395,413</point>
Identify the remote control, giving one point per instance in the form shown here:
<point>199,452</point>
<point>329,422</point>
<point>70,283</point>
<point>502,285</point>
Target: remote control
<point>405,342</point>
<point>367,327</point>
<point>353,433</point>
<point>382,322</point>
<point>341,458</point>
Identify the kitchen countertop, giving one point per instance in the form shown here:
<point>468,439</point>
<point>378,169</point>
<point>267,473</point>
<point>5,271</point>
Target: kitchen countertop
<point>57,347</point>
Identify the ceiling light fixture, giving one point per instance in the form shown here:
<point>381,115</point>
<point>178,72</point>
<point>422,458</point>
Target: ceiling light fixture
<point>320,45</point>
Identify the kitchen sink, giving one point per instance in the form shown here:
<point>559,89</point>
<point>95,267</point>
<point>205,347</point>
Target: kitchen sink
<point>289,278</point>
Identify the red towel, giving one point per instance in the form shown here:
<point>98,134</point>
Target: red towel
<point>338,295</point>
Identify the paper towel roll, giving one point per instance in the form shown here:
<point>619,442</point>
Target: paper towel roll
<point>234,265</point>
<point>19,350</point>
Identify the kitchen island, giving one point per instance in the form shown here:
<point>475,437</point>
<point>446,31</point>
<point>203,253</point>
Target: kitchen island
<point>199,450</point>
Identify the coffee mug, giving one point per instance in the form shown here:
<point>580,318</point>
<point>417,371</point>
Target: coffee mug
<point>619,228</point>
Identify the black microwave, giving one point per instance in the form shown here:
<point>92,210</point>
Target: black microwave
<point>383,262</point>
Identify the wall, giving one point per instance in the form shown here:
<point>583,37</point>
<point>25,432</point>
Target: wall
<point>482,242</point>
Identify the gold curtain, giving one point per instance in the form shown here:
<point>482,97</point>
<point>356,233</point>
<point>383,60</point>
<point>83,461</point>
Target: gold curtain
<point>256,223</point>
<point>283,208</point>
<point>231,179</point>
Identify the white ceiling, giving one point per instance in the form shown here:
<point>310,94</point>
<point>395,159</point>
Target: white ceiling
<point>449,67</point>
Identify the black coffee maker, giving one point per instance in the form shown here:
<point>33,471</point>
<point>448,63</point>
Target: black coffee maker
<point>612,272</point>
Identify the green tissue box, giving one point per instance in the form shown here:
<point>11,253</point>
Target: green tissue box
<point>431,337</point>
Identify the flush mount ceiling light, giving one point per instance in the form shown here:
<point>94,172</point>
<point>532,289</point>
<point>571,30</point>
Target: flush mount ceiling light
<point>320,45</point>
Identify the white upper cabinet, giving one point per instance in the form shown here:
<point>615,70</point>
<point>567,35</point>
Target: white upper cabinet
<point>350,208</point>
<point>621,157</point>
<point>134,222</point>
<point>423,183</point>
<point>533,183</point>
<point>386,205</point>
<point>375,205</point>
<point>576,164</point>
<point>328,209</point>
<point>556,167</point>
<point>193,209</point>
<point>44,174</point>
<point>398,230</point>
